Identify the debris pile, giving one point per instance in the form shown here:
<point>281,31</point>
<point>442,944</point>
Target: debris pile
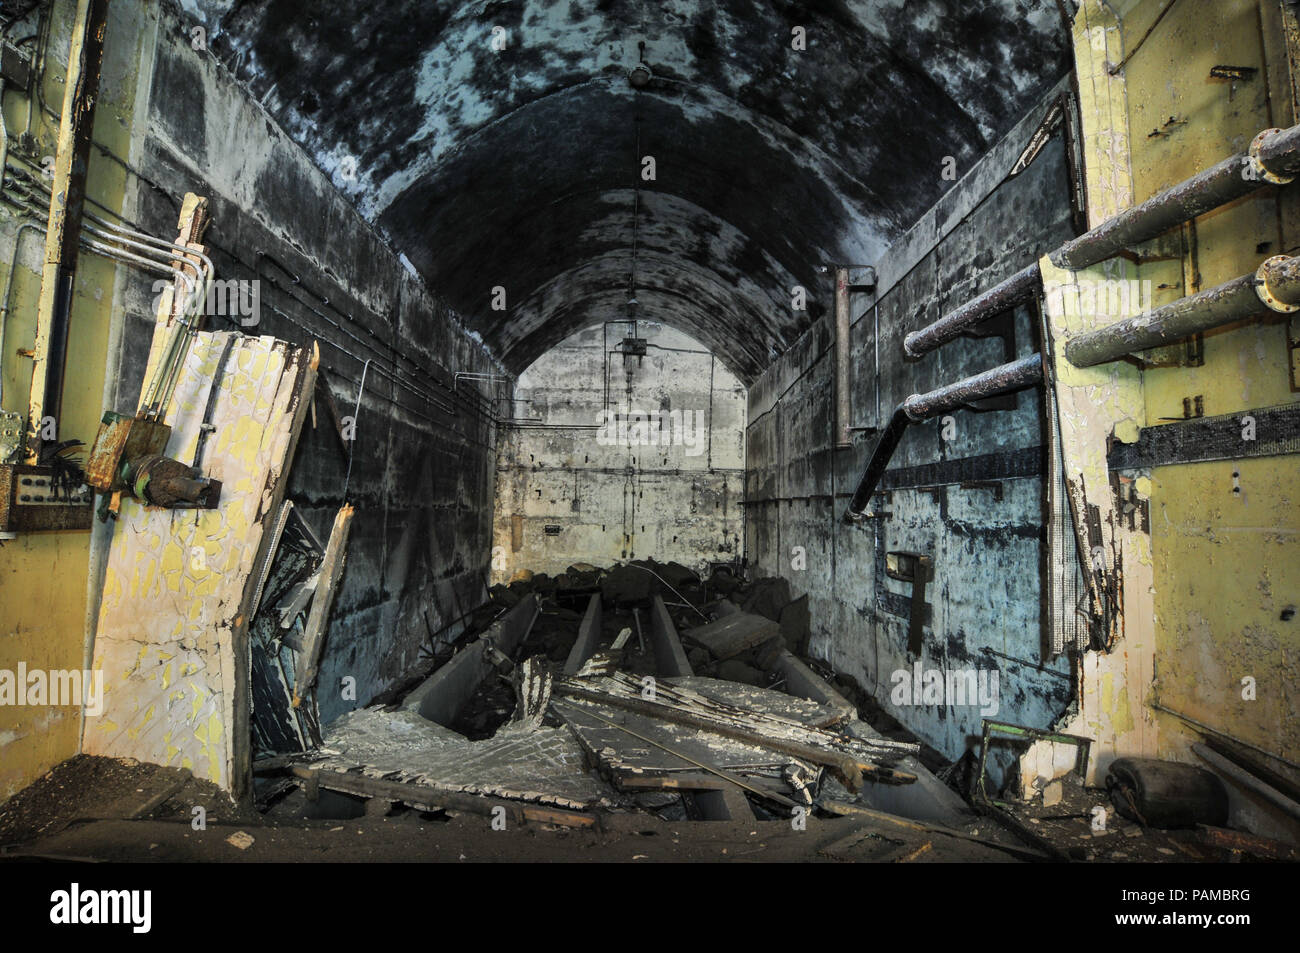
<point>640,687</point>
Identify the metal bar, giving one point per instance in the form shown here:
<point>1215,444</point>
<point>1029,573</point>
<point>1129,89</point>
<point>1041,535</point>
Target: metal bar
<point>64,225</point>
<point>879,461</point>
<point>1002,379</point>
<point>1274,286</point>
<point>842,437</point>
<point>1247,780</point>
<point>1272,159</point>
<point>1004,296</point>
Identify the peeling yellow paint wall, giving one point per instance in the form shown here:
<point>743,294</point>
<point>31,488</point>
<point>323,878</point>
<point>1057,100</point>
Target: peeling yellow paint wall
<point>172,639</point>
<point>44,598</point>
<point>1225,535</point>
<point>1205,591</point>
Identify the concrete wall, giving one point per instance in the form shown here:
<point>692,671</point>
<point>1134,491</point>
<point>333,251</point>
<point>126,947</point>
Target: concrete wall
<point>421,469</point>
<point>171,119</point>
<point>984,604</point>
<point>671,491</point>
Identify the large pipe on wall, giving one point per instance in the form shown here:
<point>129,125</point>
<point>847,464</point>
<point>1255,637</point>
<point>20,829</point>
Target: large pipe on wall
<point>1272,159</point>
<point>1275,286</point>
<point>1003,379</point>
<point>1001,297</point>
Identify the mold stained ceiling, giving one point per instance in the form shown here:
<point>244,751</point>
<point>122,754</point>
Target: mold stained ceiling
<point>522,167</point>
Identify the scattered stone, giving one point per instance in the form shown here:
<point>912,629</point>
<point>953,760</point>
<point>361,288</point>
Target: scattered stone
<point>505,597</point>
<point>625,585</point>
<point>723,582</point>
<point>767,597</point>
<point>734,670</point>
<point>677,575</point>
<point>241,839</point>
<point>796,625</point>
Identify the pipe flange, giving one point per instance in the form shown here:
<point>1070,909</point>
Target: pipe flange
<point>1262,290</point>
<point>1261,171</point>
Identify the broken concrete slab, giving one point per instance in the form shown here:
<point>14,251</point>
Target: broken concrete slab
<point>767,597</point>
<point>796,625</point>
<point>733,634</point>
<point>762,700</point>
<point>441,697</point>
<point>639,752</point>
<point>734,670</point>
<point>588,635</point>
<point>543,765</point>
<point>850,758</point>
<point>928,799</point>
<point>670,659</point>
<point>803,681</point>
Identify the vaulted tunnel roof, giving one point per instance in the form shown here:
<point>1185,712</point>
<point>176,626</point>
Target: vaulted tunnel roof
<point>522,168</point>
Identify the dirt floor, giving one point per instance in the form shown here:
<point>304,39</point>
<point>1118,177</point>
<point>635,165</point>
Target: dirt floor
<point>104,809</point>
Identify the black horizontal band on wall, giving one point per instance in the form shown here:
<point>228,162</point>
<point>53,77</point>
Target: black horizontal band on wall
<point>1010,465</point>
<point>1266,432</point>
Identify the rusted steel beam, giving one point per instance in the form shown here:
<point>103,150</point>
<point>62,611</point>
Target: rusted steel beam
<point>1020,287</point>
<point>1275,286</point>
<point>1002,379</point>
<point>1272,159</point>
<point>63,228</point>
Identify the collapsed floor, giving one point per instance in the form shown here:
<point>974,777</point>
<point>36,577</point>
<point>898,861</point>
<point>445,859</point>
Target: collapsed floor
<point>573,715</point>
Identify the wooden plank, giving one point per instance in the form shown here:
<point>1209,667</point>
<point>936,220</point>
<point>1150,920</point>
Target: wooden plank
<point>331,570</point>
<point>848,768</point>
<point>1246,843</point>
<point>733,634</point>
<point>426,798</point>
<point>703,765</point>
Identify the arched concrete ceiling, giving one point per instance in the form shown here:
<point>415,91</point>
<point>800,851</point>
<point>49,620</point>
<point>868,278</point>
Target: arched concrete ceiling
<point>522,167</point>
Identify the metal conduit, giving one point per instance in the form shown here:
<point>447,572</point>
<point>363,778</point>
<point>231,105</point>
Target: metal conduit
<point>1275,286</point>
<point>1003,379</point>
<point>1020,287</point>
<point>1272,159</point>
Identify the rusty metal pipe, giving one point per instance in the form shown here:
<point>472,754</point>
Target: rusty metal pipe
<point>1001,297</point>
<point>1275,286</point>
<point>1003,379</point>
<point>842,438</point>
<point>1272,159</point>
